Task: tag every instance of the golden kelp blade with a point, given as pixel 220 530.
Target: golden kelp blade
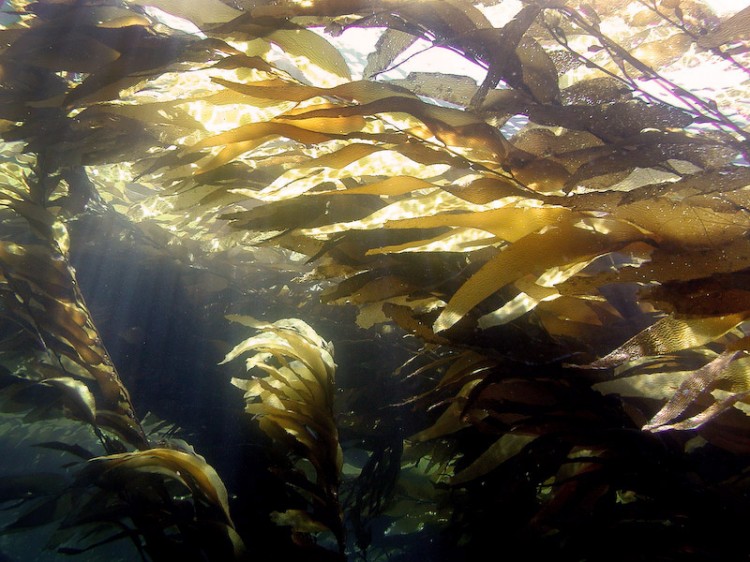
pixel 293 401
pixel 700 382
pixel 192 471
pixel 558 246
pixel 671 334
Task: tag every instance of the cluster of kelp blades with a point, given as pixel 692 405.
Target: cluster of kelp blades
pixel 520 263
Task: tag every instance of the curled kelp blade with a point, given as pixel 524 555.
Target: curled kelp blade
pixel 190 470
pixel 160 479
pixel 290 391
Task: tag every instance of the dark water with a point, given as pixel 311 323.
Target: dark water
pixel 166 338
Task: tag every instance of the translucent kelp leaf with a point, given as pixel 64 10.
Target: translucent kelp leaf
pixel 467 366
pixel 595 91
pixel 55 311
pixel 330 125
pixel 498 49
pixel 451 126
pixel 670 334
pixel 539 72
pixel 289 345
pixel 361 91
pixel 508 446
pixel 341 158
pixel 527 300
pixel 451 420
pixel 544 142
pixel 389 46
pixel 39 218
pixel 508 223
pixel 663 52
pixel 695 385
pixel 542 175
pixel 300 520
pixel 381 289
pixel 454 240
pixel 416 207
pixel 610 121
pixel 78 397
pixel 712 296
pixel 404 316
pixel 352 159
pixel 255 131
pixel 730 182
pixel 531 254
pixel 166 113
pixel 142 53
pixel 279 215
pixel 668 265
pixel 208 11
pixel 292 337
pixel 313 55
pixel 294 405
pixel 453 88
pixel 658 386
pixel 709 414
pixel 733 29
pixel 647 150
pixel 396 185
pixel 446 19
pixel 484 190
pixel 136 484
pixel 681 224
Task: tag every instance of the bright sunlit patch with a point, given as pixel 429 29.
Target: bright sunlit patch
pixel 302 68
pixel 188 15
pixel 174 22
pixel 531 293
pixel 726 8
pixel 456 240
pixel 434 202
pixel 212 105
pixel 384 162
pixel 515 308
pixel 556 275
pixel 152 208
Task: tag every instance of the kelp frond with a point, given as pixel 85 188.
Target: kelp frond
pixel 292 398
pixel 567 234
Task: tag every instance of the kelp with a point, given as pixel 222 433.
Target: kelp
pixel 567 236
pixel 293 403
pixel 40 294
pixel 164 501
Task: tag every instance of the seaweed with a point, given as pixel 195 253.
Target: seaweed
pixel 536 282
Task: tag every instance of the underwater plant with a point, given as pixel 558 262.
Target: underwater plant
pixel 534 270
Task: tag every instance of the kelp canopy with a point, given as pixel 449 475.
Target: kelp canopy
pixel 536 282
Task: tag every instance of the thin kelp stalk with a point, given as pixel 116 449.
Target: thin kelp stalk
pixel 707 110
pixel 704 40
